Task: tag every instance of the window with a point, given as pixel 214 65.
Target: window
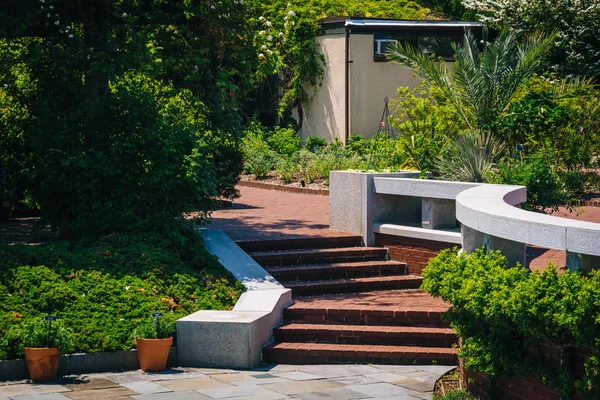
pixel 439 44
pixel 382 46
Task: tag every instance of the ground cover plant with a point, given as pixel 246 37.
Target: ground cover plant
pixel 505 316
pixel 102 291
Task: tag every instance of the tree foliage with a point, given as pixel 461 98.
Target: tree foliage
pixel 121 114
pixel 576 47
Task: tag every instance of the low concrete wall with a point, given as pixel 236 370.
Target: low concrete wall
pixel 354 205
pixel 233 339
pixel 82 363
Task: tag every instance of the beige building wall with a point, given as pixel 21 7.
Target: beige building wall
pixel 370 83
pixel 325 114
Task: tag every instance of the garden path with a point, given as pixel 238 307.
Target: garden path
pixel 261 214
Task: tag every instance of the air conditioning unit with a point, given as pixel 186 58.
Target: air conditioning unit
pixel 382 46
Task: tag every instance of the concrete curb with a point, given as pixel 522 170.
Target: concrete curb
pixel 233 339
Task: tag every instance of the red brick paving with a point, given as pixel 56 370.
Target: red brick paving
pixel 385 301
pixel 261 214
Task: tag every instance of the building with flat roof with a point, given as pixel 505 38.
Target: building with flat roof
pixel 358 77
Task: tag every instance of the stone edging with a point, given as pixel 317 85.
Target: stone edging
pixel 281 188
pixel 82 363
pixel 586 203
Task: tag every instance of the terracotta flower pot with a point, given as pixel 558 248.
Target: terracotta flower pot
pixel 42 363
pixel 153 353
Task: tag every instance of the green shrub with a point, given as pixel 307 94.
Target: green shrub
pixel 314 143
pixel 155 328
pixel 458 394
pixel 307 166
pixel 286 168
pixel 545 190
pixel 356 144
pixel 547 118
pixel 104 290
pixel 381 153
pixel 37 332
pixel 284 141
pixel 259 159
pixel 499 312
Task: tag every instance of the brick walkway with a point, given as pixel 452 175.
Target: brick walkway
pixel 261 214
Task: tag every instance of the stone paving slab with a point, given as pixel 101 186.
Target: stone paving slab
pixel 301 382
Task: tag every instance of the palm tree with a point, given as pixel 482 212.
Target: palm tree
pixel 483 80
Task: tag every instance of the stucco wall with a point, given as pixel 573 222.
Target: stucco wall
pixel 325 115
pixel 370 83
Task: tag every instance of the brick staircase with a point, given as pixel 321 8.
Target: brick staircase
pixel 351 304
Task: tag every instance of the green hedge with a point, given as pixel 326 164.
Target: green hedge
pixel 103 291
pixel 504 316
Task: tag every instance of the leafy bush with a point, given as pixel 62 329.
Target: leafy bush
pixel 284 141
pixel 381 152
pixel 259 159
pixel 40 333
pixel 356 144
pixel 132 159
pixel 425 125
pixel 499 312
pixel 104 290
pixel 551 115
pixel 314 143
pixel 155 328
pixel 545 189
pixel 307 167
pixel 458 394
pixel 286 168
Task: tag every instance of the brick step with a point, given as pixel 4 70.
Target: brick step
pixel 337 270
pixel 392 307
pixel 318 256
pixel 319 353
pixel 355 284
pixel 301 243
pixel 361 334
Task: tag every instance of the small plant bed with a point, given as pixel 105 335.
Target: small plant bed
pixel 449 387
pixel 102 291
pixel 273 179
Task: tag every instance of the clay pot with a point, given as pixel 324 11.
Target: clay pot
pixel 153 353
pixel 42 363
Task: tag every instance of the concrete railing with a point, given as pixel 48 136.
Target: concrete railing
pixel 469 214
pixel 488 217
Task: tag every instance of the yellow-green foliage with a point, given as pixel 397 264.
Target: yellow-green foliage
pixel 499 311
